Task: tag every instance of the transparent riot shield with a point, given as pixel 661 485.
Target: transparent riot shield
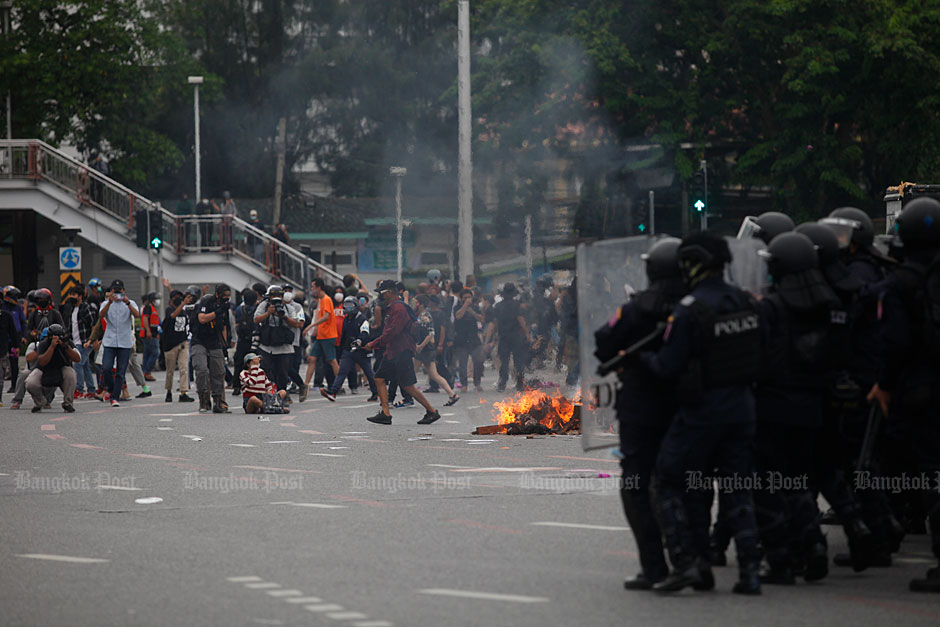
pixel 608 272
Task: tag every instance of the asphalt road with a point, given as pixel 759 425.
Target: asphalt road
pixel 321 518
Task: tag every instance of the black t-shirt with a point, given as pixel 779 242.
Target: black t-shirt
pixel 175 330
pixel 441 319
pixel 206 334
pixel 465 329
pixel 507 314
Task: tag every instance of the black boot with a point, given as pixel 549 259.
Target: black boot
pixel 749 579
pixel 705 575
pixel 817 563
pixel 861 545
pixel 205 402
pixel 639 582
pixel 680 578
pixel 930 583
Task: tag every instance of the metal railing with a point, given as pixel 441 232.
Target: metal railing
pixel 184 234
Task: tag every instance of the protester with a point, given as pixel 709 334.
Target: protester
pixel 43 315
pixel 80 318
pixel 424 333
pixel 467 343
pixel 149 333
pixel 54 369
pixel 255 384
pixel 228 211
pixel 355 333
pixel 295 312
pixel 175 343
pixel 9 337
pixel 12 305
pixel 117 313
pixel 244 331
pixel 514 338
pixel 324 346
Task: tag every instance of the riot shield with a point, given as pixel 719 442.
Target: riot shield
pixel 608 272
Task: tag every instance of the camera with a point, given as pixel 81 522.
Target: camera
pixel 280 308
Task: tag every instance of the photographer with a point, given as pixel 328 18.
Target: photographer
pixel 117 313
pixel 175 340
pixel 277 336
pixel 208 328
pixel 54 369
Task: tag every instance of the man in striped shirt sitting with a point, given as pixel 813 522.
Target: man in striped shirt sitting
pixel 254 384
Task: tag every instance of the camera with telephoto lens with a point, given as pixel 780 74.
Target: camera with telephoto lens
pixel 280 309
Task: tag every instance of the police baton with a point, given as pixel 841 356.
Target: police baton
pixel 622 358
pixel 871 434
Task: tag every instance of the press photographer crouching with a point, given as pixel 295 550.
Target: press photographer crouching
pixel 276 336
pixel 54 370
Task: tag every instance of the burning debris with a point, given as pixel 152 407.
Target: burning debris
pixel 534 412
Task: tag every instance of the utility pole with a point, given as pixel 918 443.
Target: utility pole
pixel 465 172
pixel 398 173
pixel 281 148
pixel 652 212
pixel 196 81
pixel 5 7
pixel 704 167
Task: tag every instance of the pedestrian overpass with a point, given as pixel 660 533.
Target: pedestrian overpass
pixel 196 249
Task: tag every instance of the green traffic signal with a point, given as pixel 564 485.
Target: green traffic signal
pixel 699 205
pixel 156 243
pixel 641 228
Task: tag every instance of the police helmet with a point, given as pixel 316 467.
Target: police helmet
pixel 662 260
pixel 825 240
pixel 790 253
pixel 918 226
pixel 773 223
pixel 852 226
pixel 702 251
pixel 350 304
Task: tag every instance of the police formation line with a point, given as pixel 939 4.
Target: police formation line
pixel 831 375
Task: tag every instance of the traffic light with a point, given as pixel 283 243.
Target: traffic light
pixel 140 222
pixel 699 201
pixel 156 230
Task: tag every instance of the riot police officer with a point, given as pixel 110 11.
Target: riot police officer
pixel 712 344
pixel 798 350
pixel 766 226
pixel 645 404
pixel 908 387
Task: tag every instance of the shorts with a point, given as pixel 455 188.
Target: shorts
pixel 427 357
pixel 245 400
pixel 324 348
pixel 400 369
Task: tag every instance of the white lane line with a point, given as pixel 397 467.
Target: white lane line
pixel 316 505
pixel 304 600
pixel 355 406
pixel 245 445
pixel 149 500
pixel 62 558
pixel 580 526
pixel 355 433
pixel 189 414
pixel 284 593
pixel 473 407
pixel 165 420
pixel 245 579
pixel 327 607
pixel 346 615
pixel 453 422
pixel 498 469
pixel 267 621
pixel 117 487
pixel 488 596
pixel 913 560
pixel 164 428
pixel 4 474
pixel 326 454
pixel 446 466
pixel 373 623
pixel 446 415
pixel 262 586
pixel 283 442
pixel 338 448
pixel 327 442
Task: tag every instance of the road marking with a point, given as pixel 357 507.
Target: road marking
pixel 188 414
pixel 278 469
pixel 47 427
pixel 304 600
pixel 324 608
pixel 355 406
pixel 118 487
pixel 327 442
pixel 54 436
pixel 283 442
pixel 326 454
pixel 288 424
pixel 338 448
pixel 262 586
pixel 165 420
pixel 285 593
pixel 267 621
pixel 500 469
pixel 310 432
pixel 166 459
pixel 585 459
pixel 4 474
pixel 316 505
pixel 455 440
pixel 913 560
pixel 355 433
pixel 149 500
pixel 453 422
pixel 89 446
pixel 488 596
pixel 245 445
pixel 580 526
pixel 446 415
pixel 165 429
pixel 243 579
pixel 346 615
pixel 373 623
pixel 446 466
pixel 62 558
pixel 481 442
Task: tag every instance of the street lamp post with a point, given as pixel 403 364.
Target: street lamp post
pixel 5 28
pixel 398 172
pixel 196 81
pixel 465 170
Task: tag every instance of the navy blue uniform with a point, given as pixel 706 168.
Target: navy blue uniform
pixel 713 431
pixel 645 407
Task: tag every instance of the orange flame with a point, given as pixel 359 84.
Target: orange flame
pixel 552 412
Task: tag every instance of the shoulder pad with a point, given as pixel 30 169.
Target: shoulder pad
pixel 687 301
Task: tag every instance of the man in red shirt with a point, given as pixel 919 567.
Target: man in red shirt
pixel 397 361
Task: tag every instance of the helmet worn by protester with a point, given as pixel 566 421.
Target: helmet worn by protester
pixel 350 304
pixel 701 255
pixel 12 295
pixel 57 329
pixel 195 291
pixel 434 275
pixel 830 264
pixel 95 283
pixel 43 297
pixel 918 226
pixel 274 292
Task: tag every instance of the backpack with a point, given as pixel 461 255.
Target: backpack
pixel 271 404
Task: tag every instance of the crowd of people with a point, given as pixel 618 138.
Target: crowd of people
pixel 827 383
pixel 272 343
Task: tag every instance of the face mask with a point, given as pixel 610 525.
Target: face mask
pixel 288 297
pixel 177 302
pixel 338 297
pixel 158 302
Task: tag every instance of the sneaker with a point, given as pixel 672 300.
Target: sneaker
pixel 218 408
pixel 114 403
pixel 68 408
pixel 15 405
pixel 145 394
pixel 430 417
pixel 293 388
pixel 452 400
pixel 90 396
pixel 479 388
pixel 380 419
pixel 149 377
pixel 372 398
pixel 341 392
pixel 169 397
pixel 303 395
pixel 185 398
pixel 325 393
pixel 354 391
pixel 76 395
pixel 403 404
pixel 47 405
pixel 36 409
